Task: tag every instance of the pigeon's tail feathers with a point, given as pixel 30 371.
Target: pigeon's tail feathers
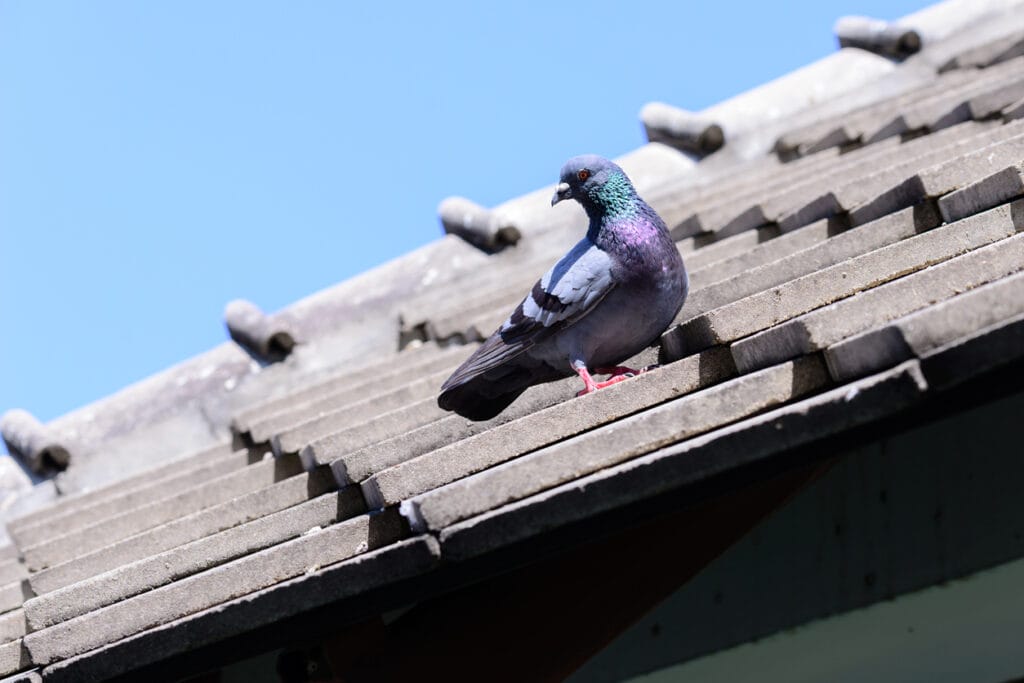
pixel 494 376
pixel 467 401
pixel 494 358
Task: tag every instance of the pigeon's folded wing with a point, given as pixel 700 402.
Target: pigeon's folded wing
pixel 565 294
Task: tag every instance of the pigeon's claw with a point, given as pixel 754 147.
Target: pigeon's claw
pixel 618 374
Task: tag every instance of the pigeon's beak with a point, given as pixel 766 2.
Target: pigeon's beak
pixel 563 191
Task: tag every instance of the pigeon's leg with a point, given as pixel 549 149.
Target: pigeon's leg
pixel 590 386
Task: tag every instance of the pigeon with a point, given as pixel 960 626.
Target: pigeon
pixel 606 300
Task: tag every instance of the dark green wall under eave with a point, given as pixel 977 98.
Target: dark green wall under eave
pixel 907 512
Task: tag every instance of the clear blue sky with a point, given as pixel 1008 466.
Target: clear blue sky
pixel 160 159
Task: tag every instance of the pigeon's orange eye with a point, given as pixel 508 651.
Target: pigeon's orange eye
pixel 583 175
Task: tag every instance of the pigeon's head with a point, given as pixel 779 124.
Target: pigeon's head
pixel 590 180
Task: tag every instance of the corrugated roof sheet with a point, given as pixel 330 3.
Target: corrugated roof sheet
pixel 854 251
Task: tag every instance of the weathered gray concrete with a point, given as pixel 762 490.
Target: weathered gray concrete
pixel 352 467
pixel 838 135
pixel 539 429
pixel 996 99
pixel 480 324
pixel 682 129
pixel 426 316
pixel 928 173
pixel 885 130
pixel 12 570
pixel 706 252
pixel 485 229
pixel 175 505
pixel 69 521
pixel 981 351
pixel 268 338
pixel 876 169
pixel 13 657
pixel 38 447
pixel 692 461
pixel 198 556
pixel 608 446
pixel 862 124
pixel 885 38
pixel 186 529
pixel 779 304
pixel 947 104
pixel 528 261
pixel 990 191
pixel 31 676
pixel 358 402
pixel 961 170
pixel 821 207
pixel 844 126
pixel 320 384
pixel 829 325
pixel 809 197
pixel 386 426
pixel 13 594
pixel 222 583
pixel 985 52
pixel 927 329
pixel 387 386
pixel 80 500
pixel 717 212
pixel 1014 111
pixel 12 625
pixel 742 179
pixel 940 111
pixel 842 247
pixel 362 573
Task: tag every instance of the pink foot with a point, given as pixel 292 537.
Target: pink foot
pixel 589 385
pixel 618 374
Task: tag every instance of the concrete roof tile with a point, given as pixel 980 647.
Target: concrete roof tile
pixel 13 657
pixel 779 304
pixel 206 589
pixel 688 463
pixel 878 36
pixel 436 507
pixel 981 351
pixel 322 586
pixel 919 333
pixel 12 625
pixel 358 402
pixel 164 568
pixel 185 529
pixel 353 466
pixel 543 427
pixel 828 325
pixel 267 338
pixel 115 503
pixel 990 191
pixel 830 249
pixel 37 445
pixel 176 504
pixel 484 229
pixel 683 129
